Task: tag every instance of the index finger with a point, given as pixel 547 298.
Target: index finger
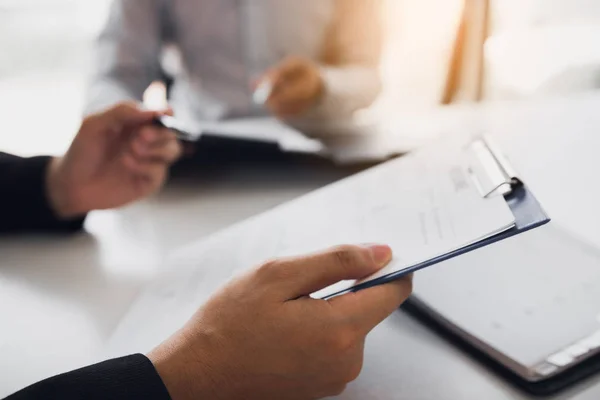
pixel 284 73
pixel 369 307
pixel 130 114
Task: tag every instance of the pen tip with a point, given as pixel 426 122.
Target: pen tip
pixel 263 92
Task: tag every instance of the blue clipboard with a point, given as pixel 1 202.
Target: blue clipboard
pixel 528 212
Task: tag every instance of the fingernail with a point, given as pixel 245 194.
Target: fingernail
pixel 382 254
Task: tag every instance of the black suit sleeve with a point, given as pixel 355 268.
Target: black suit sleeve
pixel 23 203
pixel 132 377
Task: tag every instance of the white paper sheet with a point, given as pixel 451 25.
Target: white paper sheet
pixel 423 205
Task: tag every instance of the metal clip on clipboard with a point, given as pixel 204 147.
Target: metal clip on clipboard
pixel 489 169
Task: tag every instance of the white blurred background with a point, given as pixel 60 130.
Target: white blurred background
pixel 542 47
pixel 536 47
pixel 44 58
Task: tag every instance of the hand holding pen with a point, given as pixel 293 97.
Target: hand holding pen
pixel 288 90
pixel 291 88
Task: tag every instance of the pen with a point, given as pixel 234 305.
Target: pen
pixel 182 132
pixel 263 92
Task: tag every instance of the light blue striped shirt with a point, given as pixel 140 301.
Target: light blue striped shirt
pixel 223 45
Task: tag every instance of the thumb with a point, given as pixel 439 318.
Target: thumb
pixel 168 111
pixel 301 276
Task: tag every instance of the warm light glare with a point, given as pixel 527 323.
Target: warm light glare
pixel 420 38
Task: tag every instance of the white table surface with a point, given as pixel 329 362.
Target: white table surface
pixel 61 299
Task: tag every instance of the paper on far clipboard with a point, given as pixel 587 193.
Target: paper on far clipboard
pixel 344 142
pixel 262 129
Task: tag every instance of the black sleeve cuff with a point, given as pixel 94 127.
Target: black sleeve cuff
pixel 132 377
pixel 24 202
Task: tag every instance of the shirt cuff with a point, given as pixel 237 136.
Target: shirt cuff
pixel 33 193
pixel 347 90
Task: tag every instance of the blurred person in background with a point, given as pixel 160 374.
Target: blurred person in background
pixel 321 56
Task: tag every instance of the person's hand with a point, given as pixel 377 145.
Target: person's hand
pixel 263 337
pixel 117 157
pixel 297 86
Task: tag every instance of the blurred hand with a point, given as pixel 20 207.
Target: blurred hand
pixel 117 157
pixel 297 87
pixel 263 338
